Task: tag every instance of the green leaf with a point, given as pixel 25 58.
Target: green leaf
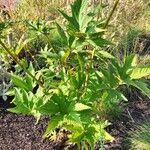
pixel 106 54
pixel 62 34
pixel 50 107
pixel 73 82
pixel 108 137
pixel 130 61
pixel 84 6
pixel 26 103
pixel 81 61
pixel 78 9
pixel 19 82
pixel 53 124
pixel 65 55
pixel 141 86
pixel 138 73
pixel 21 45
pixel 75 9
pixel 68 18
pixel 80 107
pixel 72 22
pixel 71 40
pixel 73 117
pixel 84 21
pixel 21 104
pixel 100 42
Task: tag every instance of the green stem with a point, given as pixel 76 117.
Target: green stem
pixel 15 58
pixel 111 13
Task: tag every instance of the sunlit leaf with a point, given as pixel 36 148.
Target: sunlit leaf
pixel 141 72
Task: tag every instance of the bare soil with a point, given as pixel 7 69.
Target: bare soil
pixel 19 132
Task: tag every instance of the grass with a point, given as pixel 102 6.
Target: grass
pixel 140 139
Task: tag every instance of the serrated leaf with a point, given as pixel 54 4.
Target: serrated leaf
pixel 106 54
pixel 19 82
pixel 138 73
pixel 21 45
pixel 65 56
pixel 62 34
pixel 75 9
pixel 100 42
pixel 84 22
pixel 21 105
pixel 72 22
pixel 141 86
pixel 53 124
pixel 80 107
pixel 49 107
pixel 130 61
pixel 108 137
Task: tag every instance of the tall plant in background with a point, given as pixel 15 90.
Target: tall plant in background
pixel 80 82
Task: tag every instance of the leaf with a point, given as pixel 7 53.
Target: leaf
pixel 73 81
pixel 80 107
pixel 138 73
pixel 98 34
pixel 141 86
pixel 62 34
pixel 31 69
pixel 19 82
pixel 101 132
pixel 130 61
pixel 26 103
pixel 72 22
pixel 21 45
pixel 83 22
pixel 73 117
pixel 71 40
pixel 75 9
pixel 78 9
pixel 65 55
pixel 50 107
pixel 62 102
pixel 100 42
pixel 108 137
pixel 28 79
pixel 68 18
pixel 21 105
pixel 54 123
pixel 106 54
pixel 112 96
pixel 81 61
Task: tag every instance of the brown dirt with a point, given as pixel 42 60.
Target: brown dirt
pixel 19 132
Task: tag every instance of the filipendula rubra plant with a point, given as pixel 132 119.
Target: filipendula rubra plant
pixel 78 80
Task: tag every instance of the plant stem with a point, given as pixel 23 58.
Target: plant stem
pixel 16 59
pixel 111 13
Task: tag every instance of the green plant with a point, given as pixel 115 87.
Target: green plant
pixel 140 138
pixel 81 82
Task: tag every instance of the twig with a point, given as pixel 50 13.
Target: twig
pixel 111 13
pixel 130 115
pixel 15 58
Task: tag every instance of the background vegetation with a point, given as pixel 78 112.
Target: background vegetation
pixel 62 63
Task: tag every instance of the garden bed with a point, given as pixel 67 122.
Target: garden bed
pixel 19 132
pixel 73 79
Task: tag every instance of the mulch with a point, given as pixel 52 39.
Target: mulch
pixel 19 132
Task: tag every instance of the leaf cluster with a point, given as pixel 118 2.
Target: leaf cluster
pixel 80 81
